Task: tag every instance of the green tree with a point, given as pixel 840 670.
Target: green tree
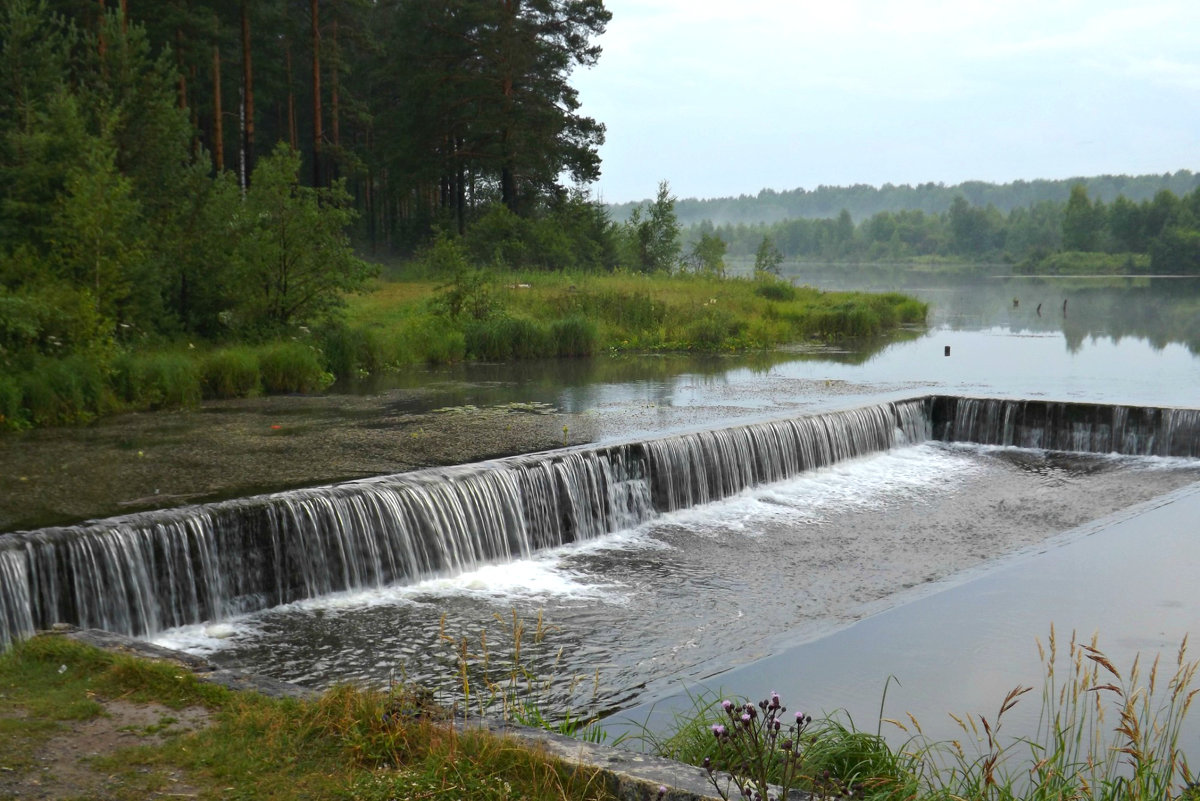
pixel 767 258
pixel 294 263
pixel 1082 223
pixel 708 255
pixel 653 240
pixel 95 242
pixel 477 94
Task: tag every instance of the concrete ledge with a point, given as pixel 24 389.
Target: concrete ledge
pixel 202 668
pixel 627 775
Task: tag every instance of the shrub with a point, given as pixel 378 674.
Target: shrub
pixel 503 338
pixel 12 415
pixel 231 373
pixel 775 290
pixel 292 367
pixel 574 336
pixel 157 380
pixel 715 329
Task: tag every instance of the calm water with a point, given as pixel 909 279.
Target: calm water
pixel 760 592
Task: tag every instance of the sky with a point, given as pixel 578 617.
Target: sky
pixel 727 97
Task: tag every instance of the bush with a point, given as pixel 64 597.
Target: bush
pixel 231 373
pixel 12 415
pixel 503 338
pixel 157 380
pixel 775 290
pixel 63 391
pixel 574 336
pixel 715 329
pixel 353 352
pixel 292 367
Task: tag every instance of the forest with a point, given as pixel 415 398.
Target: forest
pixel 1083 234
pixel 863 201
pixel 196 194
pixel 223 171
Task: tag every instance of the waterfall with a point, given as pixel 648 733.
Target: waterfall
pixel 146 572
pixel 1062 426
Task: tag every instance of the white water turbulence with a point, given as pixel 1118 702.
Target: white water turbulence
pixel 591 590
pixel 693 593
pixel 148 572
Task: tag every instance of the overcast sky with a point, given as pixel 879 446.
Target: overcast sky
pixel 725 97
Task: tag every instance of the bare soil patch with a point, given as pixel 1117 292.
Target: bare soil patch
pixel 63 767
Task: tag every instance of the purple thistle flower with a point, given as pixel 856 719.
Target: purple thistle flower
pixel 774 700
pixel 718 730
pixel 746 719
pixel 727 705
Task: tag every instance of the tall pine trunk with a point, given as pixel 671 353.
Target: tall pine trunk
pixel 318 134
pixel 247 96
pixel 293 139
pixel 218 123
pixel 334 101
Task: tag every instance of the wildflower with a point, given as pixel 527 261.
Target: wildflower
pixel 774 700
pixel 746 719
pixel 727 705
pixel 718 730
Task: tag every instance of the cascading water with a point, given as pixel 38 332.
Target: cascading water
pixel 1079 427
pixel 147 572
pixel 144 573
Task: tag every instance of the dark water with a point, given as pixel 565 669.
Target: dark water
pixel 751 591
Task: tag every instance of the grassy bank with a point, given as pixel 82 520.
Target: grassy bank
pixel 348 744
pixel 473 315
pixel 1103 733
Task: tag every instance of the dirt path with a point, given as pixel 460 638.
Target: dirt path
pixel 63 767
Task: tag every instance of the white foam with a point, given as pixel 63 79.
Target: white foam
pixel 869 482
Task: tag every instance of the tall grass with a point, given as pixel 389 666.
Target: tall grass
pixel 168 379
pixel 231 373
pixel 513 672
pixel 290 367
pixel 1101 736
pixel 542 315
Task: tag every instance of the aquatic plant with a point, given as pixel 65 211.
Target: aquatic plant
pixel 524 684
pixel 1101 736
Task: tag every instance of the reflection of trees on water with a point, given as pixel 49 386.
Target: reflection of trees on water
pixel 579 384
pixel 1160 311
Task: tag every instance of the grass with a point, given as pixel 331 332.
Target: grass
pixel 348 744
pixel 1102 736
pixel 478 316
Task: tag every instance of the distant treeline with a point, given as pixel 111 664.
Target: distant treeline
pixel 863 201
pixel 1080 234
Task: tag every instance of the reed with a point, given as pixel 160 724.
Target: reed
pixel 157 379
pixel 288 367
pixel 515 673
pixel 231 373
pixel 1101 736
